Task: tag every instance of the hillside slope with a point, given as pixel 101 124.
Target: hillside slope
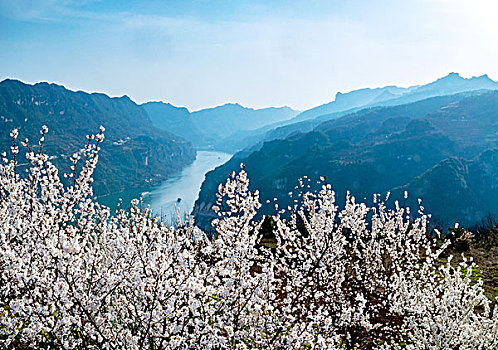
pixel 456 189
pixel 134 154
pixel 208 128
pixel 371 151
pixel 347 103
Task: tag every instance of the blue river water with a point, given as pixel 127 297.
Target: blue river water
pixel 181 190
pixel 177 193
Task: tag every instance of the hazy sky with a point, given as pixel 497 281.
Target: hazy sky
pixel 258 53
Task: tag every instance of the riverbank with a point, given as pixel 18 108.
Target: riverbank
pixel 178 193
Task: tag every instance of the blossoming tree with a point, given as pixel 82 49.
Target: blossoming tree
pixel 73 275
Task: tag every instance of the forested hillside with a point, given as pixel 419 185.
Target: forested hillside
pixel 384 149
pixel 135 154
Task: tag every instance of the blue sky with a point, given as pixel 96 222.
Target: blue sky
pixel 258 53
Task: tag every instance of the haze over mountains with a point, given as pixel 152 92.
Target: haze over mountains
pixel 437 141
pixel 393 95
pixel 134 154
pixel 392 147
pixel 345 103
pixel 208 128
pixel 231 127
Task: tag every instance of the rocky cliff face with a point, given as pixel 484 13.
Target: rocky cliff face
pixel 380 149
pixel 134 154
pixel 457 190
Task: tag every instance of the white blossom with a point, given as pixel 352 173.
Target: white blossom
pixel 74 275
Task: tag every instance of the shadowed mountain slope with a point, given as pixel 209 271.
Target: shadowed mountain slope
pixel 359 99
pixel 208 128
pixel 134 154
pixel 372 151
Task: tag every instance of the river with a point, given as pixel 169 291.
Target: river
pixel 180 189
pixel 183 188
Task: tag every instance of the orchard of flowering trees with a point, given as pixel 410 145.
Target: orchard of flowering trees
pixel 73 275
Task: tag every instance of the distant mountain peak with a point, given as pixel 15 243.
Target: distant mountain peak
pixel 125 97
pixel 484 77
pixel 457 76
pixel 236 105
pixel 167 104
pixel 454 83
pixel 166 108
pixel 451 77
pixel 227 105
pixel 42 83
pixel 17 82
pixel 454 74
pixel 12 81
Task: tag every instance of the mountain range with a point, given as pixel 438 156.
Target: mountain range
pixel 345 103
pixel 436 141
pixel 208 128
pixel 134 154
pixel 385 149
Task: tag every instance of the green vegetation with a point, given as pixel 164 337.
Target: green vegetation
pixel 439 149
pixel 134 155
pixel 482 246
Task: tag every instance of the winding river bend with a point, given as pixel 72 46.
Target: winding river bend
pixel 183 188
pixel 179 191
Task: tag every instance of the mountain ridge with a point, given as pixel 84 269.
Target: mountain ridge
pixel 134 154
pixel 369 151
pixel 208 127
pixel 390 95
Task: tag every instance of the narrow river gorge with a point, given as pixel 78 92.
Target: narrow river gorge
pixel 179 192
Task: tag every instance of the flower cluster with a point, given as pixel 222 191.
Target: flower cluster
pixel 73 275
